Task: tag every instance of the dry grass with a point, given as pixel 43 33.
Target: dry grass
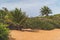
pixel 36 35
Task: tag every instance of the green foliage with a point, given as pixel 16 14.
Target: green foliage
pixel 17 16
pixel 45 25
pixel 2 15
pixel 45 11
pixel 4 32
pixel 40 23
pixel 55 20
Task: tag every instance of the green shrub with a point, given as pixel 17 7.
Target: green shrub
pixel 37 23
pixel 45 23
pixel 46 26
pixel 4 32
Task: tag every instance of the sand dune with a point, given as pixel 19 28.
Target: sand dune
pixel 38 35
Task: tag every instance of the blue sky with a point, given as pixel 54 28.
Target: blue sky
pixel 31 7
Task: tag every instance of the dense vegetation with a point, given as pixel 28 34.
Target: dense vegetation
pixel 17 19
pixel 4 32
pixel 45 23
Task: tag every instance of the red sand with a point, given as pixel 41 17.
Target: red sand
pixel 40 35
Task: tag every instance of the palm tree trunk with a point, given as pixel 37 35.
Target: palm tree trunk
pixel 47 15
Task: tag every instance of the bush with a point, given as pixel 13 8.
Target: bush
pixel 36 23
pixel 47 26
pixel 45 23
pixel 4 32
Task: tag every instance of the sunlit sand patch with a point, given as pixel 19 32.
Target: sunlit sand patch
pixel 40 35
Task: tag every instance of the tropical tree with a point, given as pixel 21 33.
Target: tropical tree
pixel 17 17
pixel 45 11
pixel 3 13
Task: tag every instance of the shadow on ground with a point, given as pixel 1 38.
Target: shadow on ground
pixel 30 30
pixel 34 30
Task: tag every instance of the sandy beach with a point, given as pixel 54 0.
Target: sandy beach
pixel 39 35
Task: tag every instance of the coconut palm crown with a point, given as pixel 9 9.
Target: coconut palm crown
pixel 45 11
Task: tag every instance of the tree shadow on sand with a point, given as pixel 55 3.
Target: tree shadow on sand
pixel 30 30
pixel 33 30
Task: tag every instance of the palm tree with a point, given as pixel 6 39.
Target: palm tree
pixel 17 17
pixel 45 11
pixel 3 13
